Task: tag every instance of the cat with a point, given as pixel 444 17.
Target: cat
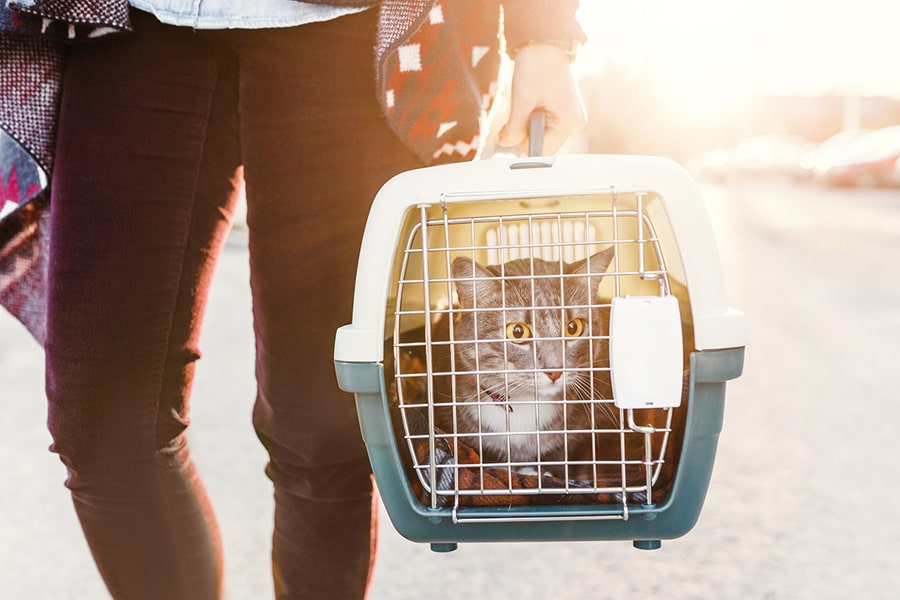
pixel 530 355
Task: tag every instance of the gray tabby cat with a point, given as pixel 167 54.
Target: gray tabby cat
pixel 538 338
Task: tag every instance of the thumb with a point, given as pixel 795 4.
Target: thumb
pixel 553 138
pixel 515 132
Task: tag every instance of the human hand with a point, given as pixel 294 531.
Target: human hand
pixel 542 79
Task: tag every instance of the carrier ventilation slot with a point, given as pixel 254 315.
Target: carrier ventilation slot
pixel 543 239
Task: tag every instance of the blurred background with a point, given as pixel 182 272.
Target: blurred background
pixel 787 113
pixel 769 87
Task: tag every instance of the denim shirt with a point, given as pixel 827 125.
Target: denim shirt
pixel 240 14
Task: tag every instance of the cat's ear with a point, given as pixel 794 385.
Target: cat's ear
pixel 472 281
pixel 595 267
pixel 597 263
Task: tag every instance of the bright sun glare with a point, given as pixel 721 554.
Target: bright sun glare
pixel 706 52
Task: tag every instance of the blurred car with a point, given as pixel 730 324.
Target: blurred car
pixel 868 160
pixel 819 157
pixel 768 155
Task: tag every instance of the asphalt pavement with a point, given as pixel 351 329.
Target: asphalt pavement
pixel 803 501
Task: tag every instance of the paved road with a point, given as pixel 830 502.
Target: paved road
pixel 803 503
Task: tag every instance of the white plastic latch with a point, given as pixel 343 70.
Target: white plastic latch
pixel 645 351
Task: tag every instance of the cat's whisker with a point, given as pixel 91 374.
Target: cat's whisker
pixel 606 410
pixel 593 397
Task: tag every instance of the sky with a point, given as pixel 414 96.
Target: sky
pixel 710 50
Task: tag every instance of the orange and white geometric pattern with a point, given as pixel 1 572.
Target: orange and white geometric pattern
pixel 442 80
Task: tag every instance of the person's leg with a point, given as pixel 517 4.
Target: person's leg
pixel 316 150
pixel 143 191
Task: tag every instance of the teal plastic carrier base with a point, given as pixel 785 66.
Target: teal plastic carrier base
pixel 603 419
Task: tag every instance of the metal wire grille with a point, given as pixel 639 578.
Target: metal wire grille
pixel 501 362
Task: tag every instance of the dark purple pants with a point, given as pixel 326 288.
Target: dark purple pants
pixel 155 127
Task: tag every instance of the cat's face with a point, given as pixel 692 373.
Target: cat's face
pixel 527 330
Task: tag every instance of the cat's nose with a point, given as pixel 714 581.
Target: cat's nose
pixel 553 375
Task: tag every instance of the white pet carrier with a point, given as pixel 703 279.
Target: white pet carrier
pixel 499 404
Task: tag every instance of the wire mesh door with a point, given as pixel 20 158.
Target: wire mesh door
pixel 503 383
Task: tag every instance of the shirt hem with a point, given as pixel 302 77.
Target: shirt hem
pixel 303 17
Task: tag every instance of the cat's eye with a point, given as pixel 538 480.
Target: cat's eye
pixel 518 332
pixel 575 327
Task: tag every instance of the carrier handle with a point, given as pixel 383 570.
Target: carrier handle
pixel 535 159
pixel 536 124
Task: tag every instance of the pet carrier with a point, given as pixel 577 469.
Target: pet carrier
pixel 539 349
